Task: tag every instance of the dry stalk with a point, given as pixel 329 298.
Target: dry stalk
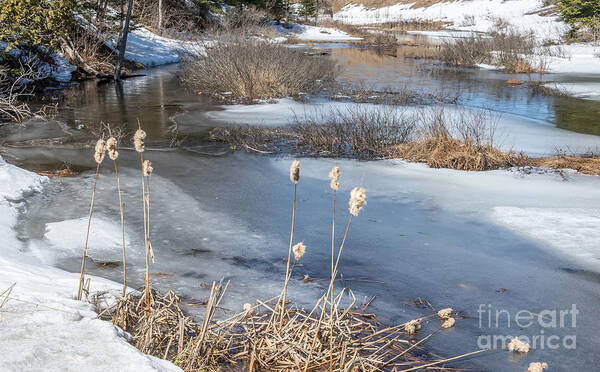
pixel 87 234
pixel 294 177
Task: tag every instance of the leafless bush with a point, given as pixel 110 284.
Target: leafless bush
pixel 251 70
pixel 243 21
pixel 13 90
pixel 517 52
pixel 465 52
pixel 357 131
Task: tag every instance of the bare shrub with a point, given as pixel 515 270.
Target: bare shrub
pixel 252 70
pixel 517 52
pixel 357 131
pixel 243 21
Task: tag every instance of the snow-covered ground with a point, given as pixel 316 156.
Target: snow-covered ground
pixel 467 15
pixel 580 59
pixel 314 33
pixel 43 328
pixel 151 50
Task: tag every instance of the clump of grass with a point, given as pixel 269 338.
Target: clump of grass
pixel 465 144
pixel 250 70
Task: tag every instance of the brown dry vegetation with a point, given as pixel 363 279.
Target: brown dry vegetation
pixel 582 164
pixel 463 143
pixel 252 339
pixel 256 70
pixel 514 51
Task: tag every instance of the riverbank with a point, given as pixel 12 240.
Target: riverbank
pixel 43 327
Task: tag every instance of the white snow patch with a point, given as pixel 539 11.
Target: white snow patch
pixel 149 49
pixel 572 231
pixel 471 15
pixel 314 33
pixel 59 70
pixel 67 237
pixel 580 59
pixel 43 328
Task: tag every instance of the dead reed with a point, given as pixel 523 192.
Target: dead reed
pixel 99 152
pixel 113 154
pixel 295 178
pixel 146 170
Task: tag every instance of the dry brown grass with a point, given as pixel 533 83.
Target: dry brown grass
pixel 462 143
pixel 582 164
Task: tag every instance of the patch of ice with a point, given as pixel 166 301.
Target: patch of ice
pixel 572 231
pixel 67 238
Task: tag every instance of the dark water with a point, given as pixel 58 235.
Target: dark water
pixel 424 233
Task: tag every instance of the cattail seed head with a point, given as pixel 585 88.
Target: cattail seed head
pixel 519 346
pixel 299 250
pixel 445 313
pixel 248 309
pixel 295 171
pixel 412 327
pixel 138 140
pixel 111 146
pixel 537 367
pixel 358 198
pixel 99 151
pixel 334 176
pixel 147 168
pixel 448 323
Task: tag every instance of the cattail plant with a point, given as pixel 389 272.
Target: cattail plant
pixel 334 184
pixel 358 199
pixel 139 144
pixel 113 154
pixel 294 177
pixel 99 151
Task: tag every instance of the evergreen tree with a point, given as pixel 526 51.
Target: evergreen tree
pixel 579 13
pixel 36 22
pixel 308 9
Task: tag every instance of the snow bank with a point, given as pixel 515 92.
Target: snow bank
pixel 59 70
pixel 471 15
pixel 43 328
pixel 151 50
pixel 581 59
pixel 314 33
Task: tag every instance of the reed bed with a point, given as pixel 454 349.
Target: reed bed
pixel 353 340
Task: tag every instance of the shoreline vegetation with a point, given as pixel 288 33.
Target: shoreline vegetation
pixel 337 334
pixel 430 136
